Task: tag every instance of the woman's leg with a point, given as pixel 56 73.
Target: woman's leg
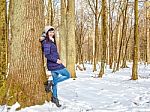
pixel 54 86
pixel 56 78
pixel 64 75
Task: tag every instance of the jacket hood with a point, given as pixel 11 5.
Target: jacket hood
pixel 47 28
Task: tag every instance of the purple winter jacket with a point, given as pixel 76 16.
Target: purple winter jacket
pixel 51 53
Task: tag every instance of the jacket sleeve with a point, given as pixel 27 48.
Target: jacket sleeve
pixel 42 38
pixel 47 53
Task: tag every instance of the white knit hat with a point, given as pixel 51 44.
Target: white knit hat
pixel 47 28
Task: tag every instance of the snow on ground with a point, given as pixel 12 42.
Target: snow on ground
pixel 115 92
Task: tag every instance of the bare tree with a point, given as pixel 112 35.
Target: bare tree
pixel 104 37
pixel 136 43
pixel 97 14
pixel 71 53
pixel 124 11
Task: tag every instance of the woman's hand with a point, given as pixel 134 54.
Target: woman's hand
pixel 59 61
pixel 41 38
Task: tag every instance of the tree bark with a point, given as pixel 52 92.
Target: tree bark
pixel 63 33
pixel 110 33
pixel 50 18
pixel 117 32
pixel 147 7
pixel 3 49
pixel 26 73
pixel 71 49
pixel 126 40
pixel 136 43
pixel 96 38
pixel 3 42
pixel 124 11
pixel 104 37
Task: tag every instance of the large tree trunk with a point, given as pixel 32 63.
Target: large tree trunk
pixel 104 37
pixel 63 32
pixel 26 72
pixel 3 42
pixel 71 49
pixel 136 43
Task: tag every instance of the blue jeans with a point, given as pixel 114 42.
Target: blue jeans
pixel 57 78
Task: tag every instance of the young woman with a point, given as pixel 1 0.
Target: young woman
pixel 54 64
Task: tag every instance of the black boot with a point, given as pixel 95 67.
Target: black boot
pixel 48 85
pixel 56 101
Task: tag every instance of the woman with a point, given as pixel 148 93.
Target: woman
pixel 54 64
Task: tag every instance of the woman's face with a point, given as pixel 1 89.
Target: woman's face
pixel 51 33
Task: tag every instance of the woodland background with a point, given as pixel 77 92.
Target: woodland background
pixel 99 32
